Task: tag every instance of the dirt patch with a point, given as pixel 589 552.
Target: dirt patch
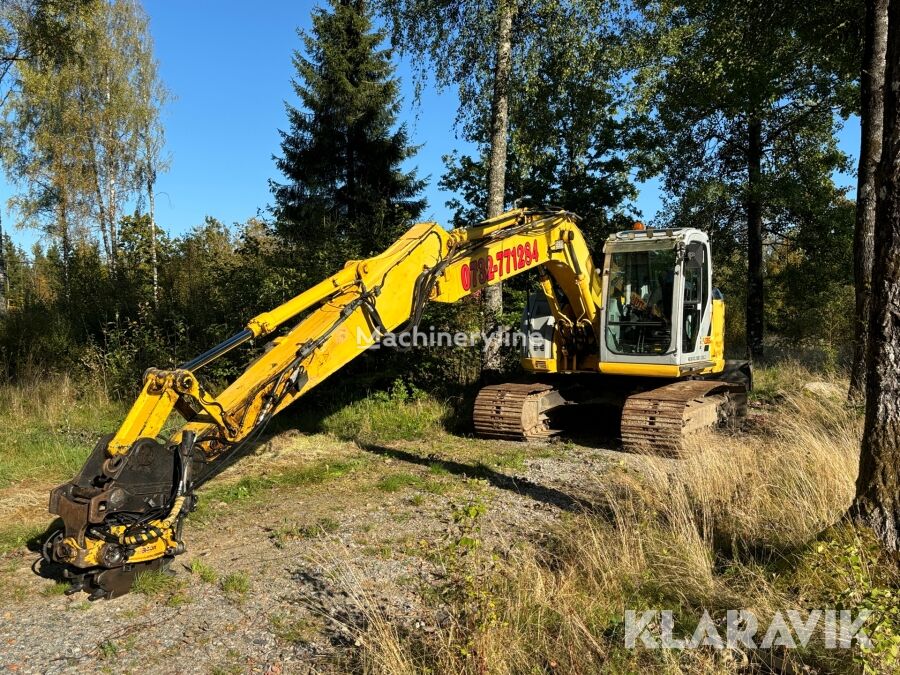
pixel 311 557
pixel 24 501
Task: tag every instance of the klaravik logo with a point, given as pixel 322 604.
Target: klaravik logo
pixel 655 629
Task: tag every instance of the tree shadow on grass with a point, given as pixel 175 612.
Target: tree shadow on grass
pixel 521 486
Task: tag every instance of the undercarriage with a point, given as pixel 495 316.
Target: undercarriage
pixel 657 419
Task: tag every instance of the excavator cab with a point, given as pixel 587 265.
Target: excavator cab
pixel 659 314
pixel 659 333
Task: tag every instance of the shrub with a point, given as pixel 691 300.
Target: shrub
pixel 402 413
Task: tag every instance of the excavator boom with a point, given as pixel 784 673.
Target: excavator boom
pixel 124 512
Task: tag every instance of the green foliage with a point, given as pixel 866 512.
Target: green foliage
pixel 852 575
pixel 444 369
pixel 403 413
pixel 36 28
pixel 119 362
pixel 347 195
pixel 235 584
pixel 574 140
pixel 470 574
pixel 106 325
pixel 206 573
pixel 75 129
pixel 810 302
pixel 710 68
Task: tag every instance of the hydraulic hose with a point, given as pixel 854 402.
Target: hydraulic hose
pixel 153 532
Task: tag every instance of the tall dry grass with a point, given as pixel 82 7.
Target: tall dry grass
pixel 49 424
pixel 732 526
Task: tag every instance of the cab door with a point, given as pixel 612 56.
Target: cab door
pixel 696 304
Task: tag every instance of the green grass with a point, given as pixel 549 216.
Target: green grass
pixel 206 573
pixel 383 418
pixel 253 487
pixel 509 459
pixel 397 481
pixel 235 584
pixel 178 598
pixel 291 631
pixel 49 427
pixel 438 469
pixel 324 525
pixel 772 382
pixel 17 536
pixel 57 588
pixel 154 583
pixel 107 649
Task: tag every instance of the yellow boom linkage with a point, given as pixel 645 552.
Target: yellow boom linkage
pixel 123 513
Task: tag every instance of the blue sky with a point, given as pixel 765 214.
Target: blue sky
pixel 228 65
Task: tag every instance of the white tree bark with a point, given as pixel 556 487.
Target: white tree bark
pixel 493 295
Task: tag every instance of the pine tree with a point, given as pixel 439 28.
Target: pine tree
pixel 347 195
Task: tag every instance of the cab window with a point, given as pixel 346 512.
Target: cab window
pixel 639 302
pixel 696 291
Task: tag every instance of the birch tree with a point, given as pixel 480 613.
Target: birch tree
pixel 78 131
pixel 484 48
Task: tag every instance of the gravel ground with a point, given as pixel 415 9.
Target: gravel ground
pixel 317 559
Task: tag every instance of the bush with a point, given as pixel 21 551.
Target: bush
pixel 402 413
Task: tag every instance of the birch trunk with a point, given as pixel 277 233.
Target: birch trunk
pixel 493 295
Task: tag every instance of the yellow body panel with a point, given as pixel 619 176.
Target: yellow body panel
pixel 557 247
pixel 89 554
pixel 539 365
pixel 640 369
pixel 717 339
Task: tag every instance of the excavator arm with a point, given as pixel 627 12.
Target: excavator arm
pixel 124 512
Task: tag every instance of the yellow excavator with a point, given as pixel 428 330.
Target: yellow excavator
pixel 646 329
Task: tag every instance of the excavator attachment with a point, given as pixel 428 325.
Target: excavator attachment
pixel 122 515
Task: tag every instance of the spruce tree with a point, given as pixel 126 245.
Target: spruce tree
pixel 347 195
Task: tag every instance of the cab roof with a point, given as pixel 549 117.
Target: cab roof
pixel 650 239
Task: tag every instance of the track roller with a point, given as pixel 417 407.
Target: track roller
pixel 658 420
pixel 517 412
